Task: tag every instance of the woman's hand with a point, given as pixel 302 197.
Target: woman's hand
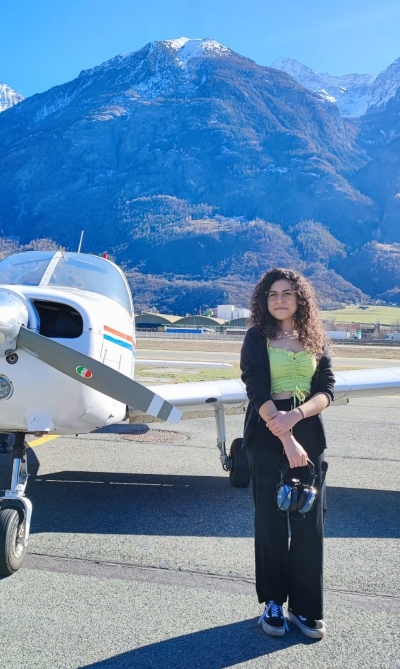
pixel 295 452
pixel 283 421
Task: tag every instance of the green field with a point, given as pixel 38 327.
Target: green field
pixel 372 314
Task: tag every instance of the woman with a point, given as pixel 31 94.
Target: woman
pixel 289 380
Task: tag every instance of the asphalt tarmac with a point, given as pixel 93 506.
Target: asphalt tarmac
pixel 141 553
pixel 232 357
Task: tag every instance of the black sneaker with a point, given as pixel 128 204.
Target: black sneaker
pixel 272 620
pixel 314 629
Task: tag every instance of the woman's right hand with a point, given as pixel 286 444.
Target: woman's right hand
pixel 295 452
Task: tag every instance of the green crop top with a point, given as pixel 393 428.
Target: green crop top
pixel 291 372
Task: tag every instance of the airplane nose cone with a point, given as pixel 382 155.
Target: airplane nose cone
pixel 13 314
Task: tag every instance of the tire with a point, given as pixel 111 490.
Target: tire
pixel 239 474
pixel 12 552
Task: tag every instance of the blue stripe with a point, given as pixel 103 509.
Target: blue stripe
pixel 120 342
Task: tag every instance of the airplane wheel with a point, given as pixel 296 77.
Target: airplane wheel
pixel 12 550
pixel 239 475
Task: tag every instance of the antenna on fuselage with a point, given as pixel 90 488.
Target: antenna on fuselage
pixel 80 242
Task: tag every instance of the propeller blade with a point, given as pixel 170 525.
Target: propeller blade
pixel 96 375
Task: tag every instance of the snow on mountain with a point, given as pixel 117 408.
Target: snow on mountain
pixel 181 49
pixel 193 48
pixel 157 67
pixel 8 97
pixel 350 92
pixel 385 86
pixel 157 70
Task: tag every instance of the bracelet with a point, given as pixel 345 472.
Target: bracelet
pixel 301 411
pixel 328 397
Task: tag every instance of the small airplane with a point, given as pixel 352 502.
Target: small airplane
pixel 67 362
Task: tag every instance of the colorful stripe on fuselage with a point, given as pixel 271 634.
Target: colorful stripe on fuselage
pixel 119 338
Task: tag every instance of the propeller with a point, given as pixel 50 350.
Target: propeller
pixel 14 316
pixel 96 375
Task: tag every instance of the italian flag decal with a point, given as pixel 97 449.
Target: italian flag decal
pixel 85 372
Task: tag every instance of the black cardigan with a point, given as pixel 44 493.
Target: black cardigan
pixel 256 375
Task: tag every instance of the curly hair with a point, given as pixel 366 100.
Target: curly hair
pixel 307 320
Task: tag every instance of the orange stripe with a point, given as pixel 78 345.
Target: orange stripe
pixel 119 334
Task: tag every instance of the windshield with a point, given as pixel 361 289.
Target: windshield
pixel 67 270
pixel 25 268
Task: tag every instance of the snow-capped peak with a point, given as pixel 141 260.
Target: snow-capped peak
pixel 351 92
pixel 8 97
pixel 187 48
pixel 178 43
pixel 182 48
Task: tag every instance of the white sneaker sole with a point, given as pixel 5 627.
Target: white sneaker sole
pixel 273 631
pixel 316 633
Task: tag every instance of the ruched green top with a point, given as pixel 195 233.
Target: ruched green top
pixel 291 372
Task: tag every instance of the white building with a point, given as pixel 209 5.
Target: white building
pixel 228 312
pixel 240 313
pixel 225 311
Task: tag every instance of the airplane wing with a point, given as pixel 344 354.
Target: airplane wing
pixel 200 399
pixel 367 383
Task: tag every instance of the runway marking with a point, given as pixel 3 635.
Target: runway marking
pixel 157 485
pixel 42 440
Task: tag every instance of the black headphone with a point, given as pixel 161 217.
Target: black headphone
pixel 296 495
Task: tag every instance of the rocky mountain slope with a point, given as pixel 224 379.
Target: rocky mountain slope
pixel 379 137
pixel 385 87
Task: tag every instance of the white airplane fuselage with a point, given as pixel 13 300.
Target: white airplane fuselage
pixel 38 401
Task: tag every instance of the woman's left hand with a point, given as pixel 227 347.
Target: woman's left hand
pixel 283 422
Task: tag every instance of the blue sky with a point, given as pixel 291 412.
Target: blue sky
pixel 48 42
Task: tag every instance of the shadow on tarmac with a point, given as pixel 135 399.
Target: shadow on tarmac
pixel 362 512
pixel 174 505
pixel 213 648
pixel 149 504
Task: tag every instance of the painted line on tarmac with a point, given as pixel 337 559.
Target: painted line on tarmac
pixel 42 440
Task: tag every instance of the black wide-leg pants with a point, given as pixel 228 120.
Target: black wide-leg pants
pixel 288 548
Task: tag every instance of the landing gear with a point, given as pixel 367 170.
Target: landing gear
pixel 15 513
pixel 236 462
pixel 12 547
pixel 239 474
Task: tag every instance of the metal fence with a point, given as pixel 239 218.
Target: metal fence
pixel 151 334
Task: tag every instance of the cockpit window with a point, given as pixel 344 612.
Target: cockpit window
pixel 91 273
pixel 66 270
pixel 25 269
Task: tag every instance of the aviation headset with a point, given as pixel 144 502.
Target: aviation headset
pixel 296 495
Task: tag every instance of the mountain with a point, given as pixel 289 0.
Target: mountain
pixel 352 93
pixel 383 262
pixel 385 87
pixel 184 118
pixel 379 137
pixel 8 97
pixel 380 178
pixel 194 167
